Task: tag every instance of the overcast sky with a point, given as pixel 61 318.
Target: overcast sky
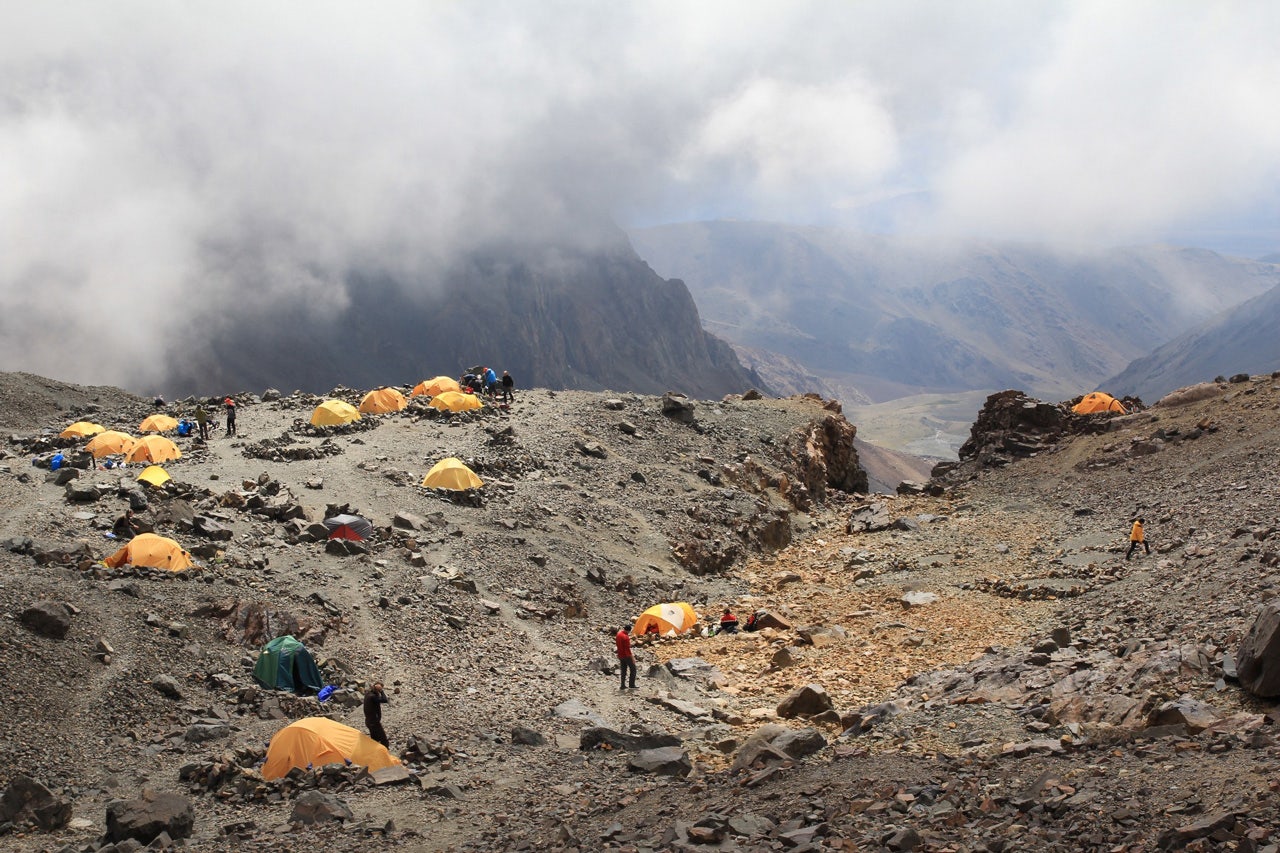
pixel 211 155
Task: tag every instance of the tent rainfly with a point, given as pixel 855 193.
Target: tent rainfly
pixel 148 549
pixel 451 474
pixel 453 401
pixel 382 401
pixel 1097 401
pixel 435 386
pixel 285 664
pixel 348 526
pixel 334 413
pixel 317 741
pixel 670 619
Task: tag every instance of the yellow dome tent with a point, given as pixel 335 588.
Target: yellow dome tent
pixel 153 448
pixel 670 619
pixel 81 429
pixel 383 400
pixel 148 549
pixel 451 474
pixel 154 475
pixel 158 423
pixel 1097 401
pixel 110 443
pixel 317 741
pixel 333 413
pixel 454 401
pixel 434 386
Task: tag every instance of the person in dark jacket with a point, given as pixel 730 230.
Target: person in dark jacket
pixel 622 640
pixel 374 698
pixel 231 415
pixel 508 386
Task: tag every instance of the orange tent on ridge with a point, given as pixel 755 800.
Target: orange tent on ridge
pixel 434 386
pixel 1097 401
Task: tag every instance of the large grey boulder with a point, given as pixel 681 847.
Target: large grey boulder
pixel 48 618
pixel 145 818
pixel 317 807
pixel 664 761
pixel 1258 660
pixel 805 702
pixel 27 801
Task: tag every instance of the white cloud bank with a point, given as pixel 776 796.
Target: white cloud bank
pixel 164 166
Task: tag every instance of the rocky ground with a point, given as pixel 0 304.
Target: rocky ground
pixel 967 666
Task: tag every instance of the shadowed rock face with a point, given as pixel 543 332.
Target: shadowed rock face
pixel 553 318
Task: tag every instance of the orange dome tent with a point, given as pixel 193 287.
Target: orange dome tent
pixel 383 400
pixel 148 549
pixel 153 448
pixel 1097 401
pixel 317 741
pixel 453 401
pixel 451 474
pixel 670 619
pixel 333 413
pixel 81 429
pixel 434 386
pixel 110 443
pixel 158 423
pixel 154 475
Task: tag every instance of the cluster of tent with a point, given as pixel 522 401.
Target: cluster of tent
pixel 109 442
pixel 445 393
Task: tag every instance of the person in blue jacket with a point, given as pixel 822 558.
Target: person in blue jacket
pixel 490 382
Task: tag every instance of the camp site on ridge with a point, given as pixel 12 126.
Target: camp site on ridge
pixel 972 646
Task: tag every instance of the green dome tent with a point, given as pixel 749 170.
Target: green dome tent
pixel 285 664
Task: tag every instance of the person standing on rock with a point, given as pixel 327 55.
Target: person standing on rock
pixel 626 659
pixel 202 420
pixel 374 698
pixel 508 386
pixel 1137 537
pixel 231 415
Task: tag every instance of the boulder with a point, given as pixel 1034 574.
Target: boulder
pixel 678 407
pixel 526 736
pixel 27 801
pixel 48 618
pixel 759 748
pixel 917 598
pixel 167 685
pixel 79 492
pixel 145 818
pixel 596 736
pixel 694 669
pixel 664 761
pixel 1187 711
pixel 1258 659
pixel 869 518
pixel 798 743
pixel 805 702
pixel 317 807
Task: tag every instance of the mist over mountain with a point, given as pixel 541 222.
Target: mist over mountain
pixel 895 316
pixel 1241 340
pixel 590 318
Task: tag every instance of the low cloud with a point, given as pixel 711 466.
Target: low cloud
pixel 166 167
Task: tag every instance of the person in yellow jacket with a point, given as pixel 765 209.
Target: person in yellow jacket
pixel 1137 537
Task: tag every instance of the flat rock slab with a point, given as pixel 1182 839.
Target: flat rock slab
pixel 393 775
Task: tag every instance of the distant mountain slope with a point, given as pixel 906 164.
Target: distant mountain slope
pixel 555 318
pixel 1245 339
pixel 913 316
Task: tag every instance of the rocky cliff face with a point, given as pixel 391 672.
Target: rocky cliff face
pixel 553 318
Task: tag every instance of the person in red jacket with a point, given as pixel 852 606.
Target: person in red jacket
pixel 623 641
pixel 728 622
